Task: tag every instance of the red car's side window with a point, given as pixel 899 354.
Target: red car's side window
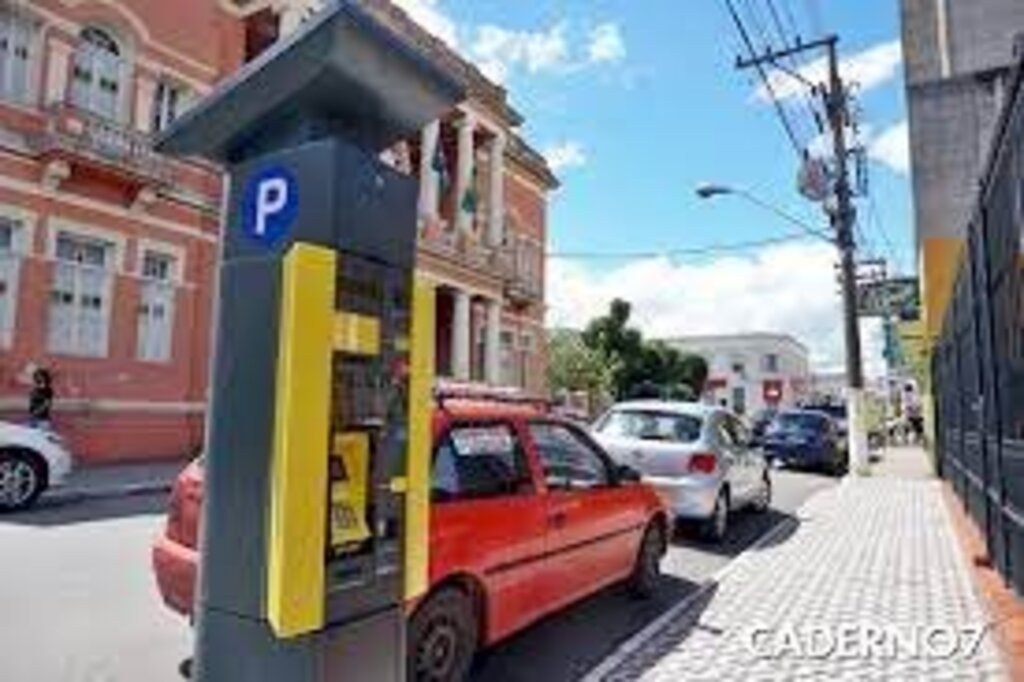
pixel 478 461
pixel 569 460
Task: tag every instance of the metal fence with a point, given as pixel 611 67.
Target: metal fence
pixel 978 362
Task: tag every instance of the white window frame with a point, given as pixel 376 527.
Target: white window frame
pixel 161 116
pixel 22 247
pixel 117 242
pixel 14 14
pixel 85 51
pixel 174 281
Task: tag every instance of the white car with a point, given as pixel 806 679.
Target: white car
pixel 31 460
pixel 699 458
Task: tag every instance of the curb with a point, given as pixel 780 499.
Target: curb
pixel 65 496
pixel 636 641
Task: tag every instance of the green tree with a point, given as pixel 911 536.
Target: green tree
pixel 620 345
pixel 573 366
pixel 642 369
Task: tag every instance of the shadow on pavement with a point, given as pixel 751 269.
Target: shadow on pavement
pixel 63 512
pixel 669 637
pixel 567 645
pixel 746 528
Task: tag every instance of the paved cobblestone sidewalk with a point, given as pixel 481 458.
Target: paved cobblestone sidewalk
pixel 874 555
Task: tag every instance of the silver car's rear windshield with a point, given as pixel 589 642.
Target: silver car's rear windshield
pixel 651 425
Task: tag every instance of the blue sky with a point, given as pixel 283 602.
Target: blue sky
pixel 638 102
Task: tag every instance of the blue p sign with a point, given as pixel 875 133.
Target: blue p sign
pixel 270 204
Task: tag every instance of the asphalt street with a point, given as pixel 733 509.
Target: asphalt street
pixel 80 604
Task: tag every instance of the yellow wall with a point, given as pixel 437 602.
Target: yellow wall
pixel 939 263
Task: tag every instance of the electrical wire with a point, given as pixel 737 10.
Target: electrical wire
pixel 798 102
pixel 769 88
pixel 670 253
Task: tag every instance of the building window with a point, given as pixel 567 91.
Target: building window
pixel 770 363
pixel 10 270
pixel 17 56
pixel 169 100
pixel 99 76
pixel 79 316
pixel 156 308
pixel 739 399
pixel 510 364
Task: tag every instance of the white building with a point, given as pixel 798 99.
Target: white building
pixel 749 372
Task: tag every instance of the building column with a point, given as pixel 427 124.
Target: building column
pixel 492 343
pixel 58 71
pixel 429 180
pixel 461 336
pixel 145 101
pixel 464 172
pixel 496 202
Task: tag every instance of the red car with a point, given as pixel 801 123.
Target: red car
pixel 528 515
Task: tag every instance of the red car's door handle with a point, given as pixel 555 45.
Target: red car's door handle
pixel 557 519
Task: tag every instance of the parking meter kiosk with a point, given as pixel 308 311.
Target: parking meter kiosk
pixel 317 447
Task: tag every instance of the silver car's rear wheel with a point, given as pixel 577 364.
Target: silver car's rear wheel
pixel 716 527
pixel 764 496
pixel 21 481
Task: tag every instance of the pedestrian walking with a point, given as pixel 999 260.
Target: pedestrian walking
pixel 40 399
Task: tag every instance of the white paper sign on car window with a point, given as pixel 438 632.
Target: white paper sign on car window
pixel 483 440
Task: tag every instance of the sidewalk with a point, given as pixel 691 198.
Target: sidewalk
pixel 868 583
pixel 116 480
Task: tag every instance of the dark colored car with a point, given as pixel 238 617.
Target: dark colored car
pixel 759 424
pixel 805 439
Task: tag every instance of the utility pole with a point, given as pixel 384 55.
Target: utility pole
pixel 842 215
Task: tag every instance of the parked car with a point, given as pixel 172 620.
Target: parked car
pixel 699 458
pixel 528 515
pixel 837 411
pixel 806 439
pixel 31 460
pixel 760 422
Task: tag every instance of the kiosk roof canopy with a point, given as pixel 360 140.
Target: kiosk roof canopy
pixel 340 73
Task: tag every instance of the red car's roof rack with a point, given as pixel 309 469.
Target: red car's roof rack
pixel 492 394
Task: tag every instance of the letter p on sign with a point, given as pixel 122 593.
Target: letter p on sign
pixel 270 204
pixel 271 198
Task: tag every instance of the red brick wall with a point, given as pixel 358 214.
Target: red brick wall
pixel 119 407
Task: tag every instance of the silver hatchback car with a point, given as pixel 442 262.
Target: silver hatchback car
pixel 698 457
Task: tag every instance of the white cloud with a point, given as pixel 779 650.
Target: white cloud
pixel 869 69
pixel 429 15
pixel 788 288
pixel 566 155
pixel 892 147
pixel 606 44
pixel 498 50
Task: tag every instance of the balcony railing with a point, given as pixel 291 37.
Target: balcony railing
pixel 463 249
pixel 75 131
pixel 517 262
pixel 522 271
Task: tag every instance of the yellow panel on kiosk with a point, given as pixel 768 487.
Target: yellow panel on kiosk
pixel 349 495
pixel 297 533
pixel 356 334
pixel 417 482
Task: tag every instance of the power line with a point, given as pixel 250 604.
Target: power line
pixel 670 253
pixel 779 109
pixel 799 104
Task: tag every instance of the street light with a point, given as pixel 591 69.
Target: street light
pixel 710 190
pixel 857 434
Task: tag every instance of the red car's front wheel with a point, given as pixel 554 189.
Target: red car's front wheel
pixel 442 638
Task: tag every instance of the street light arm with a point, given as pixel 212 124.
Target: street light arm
pixel 710 190
pixel 789 217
